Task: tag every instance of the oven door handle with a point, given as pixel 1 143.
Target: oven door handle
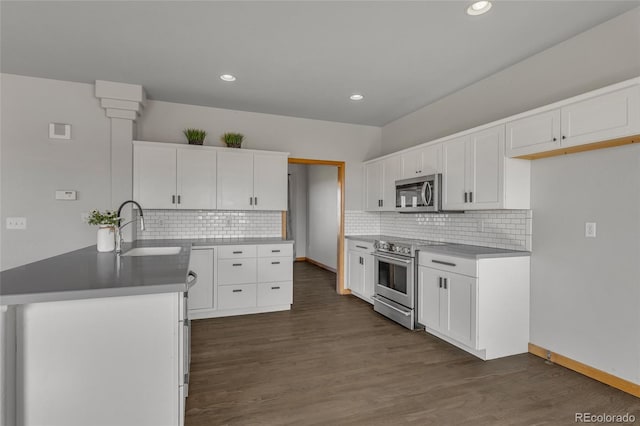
pixel 377 299
pixel 393 259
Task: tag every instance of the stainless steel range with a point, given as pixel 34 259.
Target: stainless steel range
pixel 395 266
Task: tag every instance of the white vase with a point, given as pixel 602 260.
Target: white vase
pixel 106 238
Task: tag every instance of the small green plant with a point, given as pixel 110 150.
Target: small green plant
pixel 233 140
pixel 107 217
pixel 195 136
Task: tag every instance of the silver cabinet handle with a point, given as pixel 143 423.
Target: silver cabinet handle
pixel 250 201
pixel 362 247
pixel 237 252
pixel 237 264
pixel 439 282
pixel 179 197
pixel 377 299
pixel 471 197
pixel 441 262
pixel 465 197
pixel 256 200
pixel 275 288
pixel 237 291
pixel 173 199
pixel 445 283
pixel 275 251
pixel 275 263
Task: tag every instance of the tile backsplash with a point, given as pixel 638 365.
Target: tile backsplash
pixel 173 224
pixel 509 229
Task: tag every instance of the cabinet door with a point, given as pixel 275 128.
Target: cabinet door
pixel 374 174
pixel 235 180
pixel 530 135
pixel 355 273
pixel 486 167
pixel 196 179
pixel 270 182
pixel 154 177
pixel 602 118
pixel 411 164
pixel 429 297
pixel 392 168
pixel 201 294
pixel 369 276
pixel 454 174
pixel 461 308
pixel 431 160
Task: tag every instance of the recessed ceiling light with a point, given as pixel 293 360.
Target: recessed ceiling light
pixel 227 77
pixel 479 7
pixel 356 97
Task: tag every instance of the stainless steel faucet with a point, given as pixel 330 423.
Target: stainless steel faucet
pixel 119 227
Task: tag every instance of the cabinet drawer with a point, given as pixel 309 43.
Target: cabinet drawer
pixel 458 265
pixel 271 294
pixel 237 296
pixel 275 250
pixel 236 252
pixel 236 271
pixel 363 246
pixel 272 269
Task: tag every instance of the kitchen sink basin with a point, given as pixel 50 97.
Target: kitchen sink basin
pixel 153 251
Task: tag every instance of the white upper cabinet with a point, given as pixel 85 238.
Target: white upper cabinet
pixel 374 181
pixel 154 176
pixel 477 176
pixel 252 181
pixel 380 183
pixel 422 162
pixel 538 133
pixel 602 117
pixel 235 180
pixel 392 171
pixel 177 176
pixel 166 177
pixel 196 179
pixel 270 182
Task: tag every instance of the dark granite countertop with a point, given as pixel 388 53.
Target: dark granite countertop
pixel 87 273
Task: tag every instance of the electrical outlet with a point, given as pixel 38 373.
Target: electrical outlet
pixel 590 229
pixel 16 223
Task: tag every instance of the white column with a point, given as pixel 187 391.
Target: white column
pixel 122 104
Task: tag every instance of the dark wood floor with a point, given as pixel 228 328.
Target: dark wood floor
pixel 332 360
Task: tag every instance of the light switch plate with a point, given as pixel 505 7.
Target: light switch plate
pixel 590 229
pixel 66 195
pixel 16 223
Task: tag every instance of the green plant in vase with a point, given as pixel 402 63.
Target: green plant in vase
pixel 233 140
pixel 195 136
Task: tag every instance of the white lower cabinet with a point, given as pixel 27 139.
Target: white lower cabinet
pixel 245 279
pixel 360 269
pixel 104 361
pixel 481 306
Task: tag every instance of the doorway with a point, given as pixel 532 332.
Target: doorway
pixel 288 225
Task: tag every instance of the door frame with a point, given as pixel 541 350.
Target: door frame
pixel 341 173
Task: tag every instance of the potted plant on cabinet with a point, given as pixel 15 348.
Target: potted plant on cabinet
pixel 195 136
pixel 233 140
pixel 107 222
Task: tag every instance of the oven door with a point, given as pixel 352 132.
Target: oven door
pixel 394 278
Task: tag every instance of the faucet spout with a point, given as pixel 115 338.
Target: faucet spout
pixel 120 226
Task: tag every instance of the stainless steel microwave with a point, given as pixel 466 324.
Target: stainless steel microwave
pixel 420 194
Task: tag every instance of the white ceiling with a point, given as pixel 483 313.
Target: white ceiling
pixel 299 59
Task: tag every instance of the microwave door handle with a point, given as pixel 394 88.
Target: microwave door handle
pixel 425 200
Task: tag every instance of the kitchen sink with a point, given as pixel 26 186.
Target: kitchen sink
pixel 153 251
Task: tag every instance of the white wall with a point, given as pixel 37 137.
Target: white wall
pixel 585 295
pixel 303 138
pixel 322 218
pixel 603 55
pixel 34 166
pixel 299 189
